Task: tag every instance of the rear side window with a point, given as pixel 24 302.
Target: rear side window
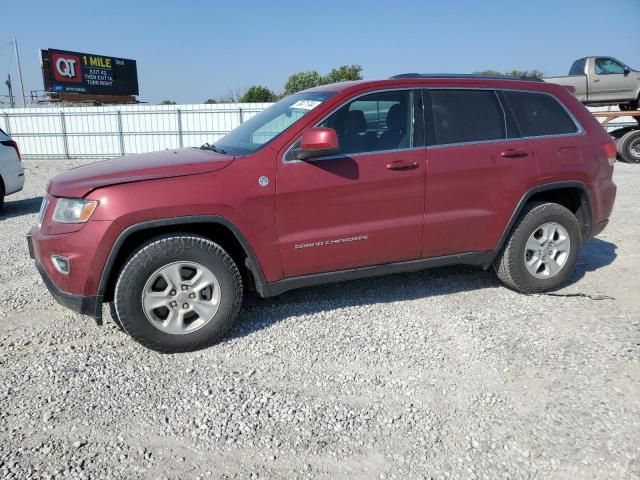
pixel 578 67
pixel 461 116
pixel 539 114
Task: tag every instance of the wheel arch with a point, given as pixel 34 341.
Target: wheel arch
pixel 216 228
pixel 572 195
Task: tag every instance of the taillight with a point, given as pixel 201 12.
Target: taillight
pixel 13 144
pixel 610 152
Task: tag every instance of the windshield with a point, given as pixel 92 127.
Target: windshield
pixel 268 124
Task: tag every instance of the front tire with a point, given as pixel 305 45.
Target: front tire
pixel 628 107
pixel 542 250
pixel 178 293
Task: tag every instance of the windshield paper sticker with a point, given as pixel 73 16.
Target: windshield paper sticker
pixel 305 104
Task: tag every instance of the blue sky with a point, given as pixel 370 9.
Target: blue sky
pixel 191 50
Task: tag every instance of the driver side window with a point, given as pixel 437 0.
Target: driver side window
pixel 375 122
pixel 608 66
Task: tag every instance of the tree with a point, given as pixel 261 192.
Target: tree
pixel 258 94
pixel 167 102
pixel 344 73
pixel 211 100
pixel 301 81
pixel 522 74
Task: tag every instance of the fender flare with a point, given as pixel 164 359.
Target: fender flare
pixel 251 263
pixel 586 203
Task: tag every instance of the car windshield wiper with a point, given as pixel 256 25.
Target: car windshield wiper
pixel 210 146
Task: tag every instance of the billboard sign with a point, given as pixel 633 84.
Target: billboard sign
pixel 74 72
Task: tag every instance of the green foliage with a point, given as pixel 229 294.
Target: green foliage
pixel 167 102
pixel 522 74
pixel 211 100
pixel 258 94
pixel 303 80
pixel 344 73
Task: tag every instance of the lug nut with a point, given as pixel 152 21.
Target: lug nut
pixel 184 287
pixel 185 305
pixel 172 292
pixel 174 304
pixel 192 295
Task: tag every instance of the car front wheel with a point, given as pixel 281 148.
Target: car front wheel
pixel 178 293
pixel 542 250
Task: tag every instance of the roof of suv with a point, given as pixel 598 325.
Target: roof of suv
pixel 450 80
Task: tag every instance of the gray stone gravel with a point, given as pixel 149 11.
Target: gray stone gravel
pixel 438 374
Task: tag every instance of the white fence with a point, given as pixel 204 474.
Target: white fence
pixel 85 132
pixel 101 132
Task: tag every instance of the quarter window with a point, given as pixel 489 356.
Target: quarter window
pixel 376 122
pixel 539 114
pixel 461 116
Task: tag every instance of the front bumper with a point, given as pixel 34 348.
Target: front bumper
pixel 85 305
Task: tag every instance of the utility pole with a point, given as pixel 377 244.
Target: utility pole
pixel 15 47
pixel 8 84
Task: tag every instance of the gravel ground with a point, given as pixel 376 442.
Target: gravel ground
pixel 437 374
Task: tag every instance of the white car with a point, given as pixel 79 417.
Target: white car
pixel 11 172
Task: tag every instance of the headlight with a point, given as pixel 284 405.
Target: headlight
pixel 73 210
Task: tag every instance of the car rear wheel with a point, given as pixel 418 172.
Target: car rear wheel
pixel 178 293
pixel 542 250
pixel 1 193
pixel 629 147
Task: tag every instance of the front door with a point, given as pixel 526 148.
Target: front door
pixel 610 82
pixel 363 206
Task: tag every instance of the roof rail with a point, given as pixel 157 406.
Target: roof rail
pixel 463 75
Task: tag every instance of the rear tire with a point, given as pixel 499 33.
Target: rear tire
pixel 629 147
pixel 542 249
pixel 1 194
pixel 178 293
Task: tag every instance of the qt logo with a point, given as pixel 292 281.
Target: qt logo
pixel 66 67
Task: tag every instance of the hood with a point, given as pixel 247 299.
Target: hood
pixel 79 181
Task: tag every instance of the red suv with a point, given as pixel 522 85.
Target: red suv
pixel 334 183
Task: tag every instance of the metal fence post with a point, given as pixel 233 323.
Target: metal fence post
pixel 65 142
pixel 240 116
pixel 7 127
pixel 120 134
pixel 180 142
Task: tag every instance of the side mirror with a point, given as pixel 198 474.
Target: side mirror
pixel 627 71
pixel 317 142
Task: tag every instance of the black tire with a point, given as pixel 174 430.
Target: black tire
pixel 510 263
pixel 628 107
pixel 629 147
pixel 163 251
pixel 1 194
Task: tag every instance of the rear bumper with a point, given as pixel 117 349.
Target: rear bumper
pixel 85 305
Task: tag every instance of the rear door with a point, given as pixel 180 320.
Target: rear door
pixel 478 170
pixel 551 130
pixel 363 206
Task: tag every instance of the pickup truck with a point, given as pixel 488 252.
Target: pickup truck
pixel 602 81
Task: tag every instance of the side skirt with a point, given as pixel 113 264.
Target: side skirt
pixel 483 259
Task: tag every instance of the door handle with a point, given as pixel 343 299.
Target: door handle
pixel 514 153
pixel 402 165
